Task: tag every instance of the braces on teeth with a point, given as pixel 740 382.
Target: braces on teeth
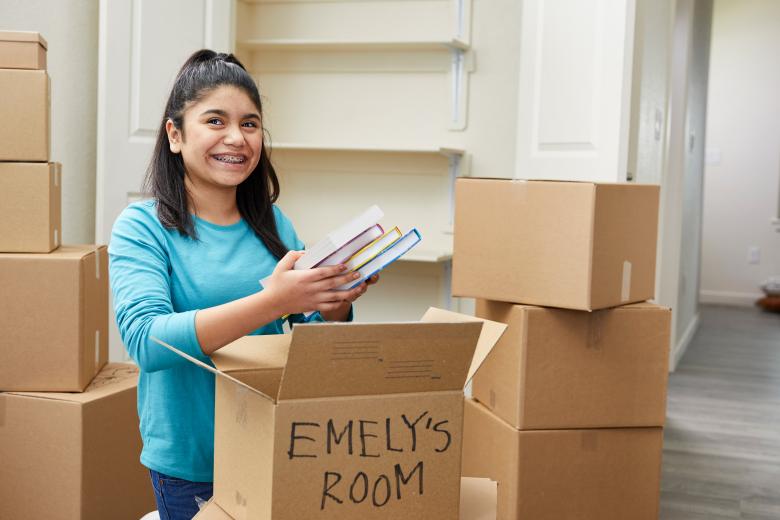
pixel 229 158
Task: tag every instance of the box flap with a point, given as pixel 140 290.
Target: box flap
pixel 211 369
pixel 69 252
pixel 23 36
pixel 114 378
pixel 253 353
pixel 212 511
pixel 491 333
pixel 478 498
pixel 349 359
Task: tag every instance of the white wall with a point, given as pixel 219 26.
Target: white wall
pixel 71 30
pixel 743 142
pixel 650 96
pixel 693 174
pixel 669 107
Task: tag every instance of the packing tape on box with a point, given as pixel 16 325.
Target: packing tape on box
pixel 97 263
pixel 2 410
pixel 625 292
pixel 595 329
pixel 56 237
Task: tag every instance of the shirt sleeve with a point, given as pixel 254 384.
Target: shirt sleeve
pixel 139 270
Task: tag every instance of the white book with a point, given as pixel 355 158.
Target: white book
pixel 385 258
pixel 373 249
pixel 354 246
pixel 336 239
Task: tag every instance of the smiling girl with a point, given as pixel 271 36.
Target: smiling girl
pixel 185 265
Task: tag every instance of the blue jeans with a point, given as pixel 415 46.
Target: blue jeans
pixel 177 499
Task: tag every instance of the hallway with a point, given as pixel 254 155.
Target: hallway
pixel 722 439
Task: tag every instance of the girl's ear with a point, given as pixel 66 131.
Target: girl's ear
pixel 174 136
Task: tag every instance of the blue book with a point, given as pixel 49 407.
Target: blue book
pixel 385 258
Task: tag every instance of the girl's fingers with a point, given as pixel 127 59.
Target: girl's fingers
pixel 357 292
pixel 288 261
pixel 321 273
pixel 327 307
pixel 338 281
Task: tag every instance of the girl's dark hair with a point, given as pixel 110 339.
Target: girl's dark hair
pixel 203 72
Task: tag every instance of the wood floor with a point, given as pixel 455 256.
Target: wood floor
pixel 722 438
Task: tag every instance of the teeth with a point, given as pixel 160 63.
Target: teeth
pixel 229 158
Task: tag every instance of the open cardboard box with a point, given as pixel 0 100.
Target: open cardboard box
pixel 361 420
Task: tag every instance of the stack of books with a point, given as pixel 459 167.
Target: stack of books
pixel 362 245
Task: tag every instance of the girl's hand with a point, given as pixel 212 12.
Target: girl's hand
pixel 342 311
pixel 311 289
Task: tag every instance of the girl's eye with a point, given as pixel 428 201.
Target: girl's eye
pixel 214 121
pixel 250 124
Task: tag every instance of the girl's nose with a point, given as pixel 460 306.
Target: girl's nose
pixel 234 136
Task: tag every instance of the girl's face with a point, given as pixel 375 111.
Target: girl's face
pixel 222 138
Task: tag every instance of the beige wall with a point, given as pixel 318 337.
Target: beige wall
pixel 71 29
pixel 743 140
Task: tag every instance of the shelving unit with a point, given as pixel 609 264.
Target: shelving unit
pixel 352 45
pixel 366 102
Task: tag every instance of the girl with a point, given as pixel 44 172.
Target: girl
pixel 185 267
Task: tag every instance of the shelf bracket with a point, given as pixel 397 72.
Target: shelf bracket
pixel 454 173
pixel 462 64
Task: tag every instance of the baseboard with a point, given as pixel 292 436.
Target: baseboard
pixel 729 298
pixel 679 349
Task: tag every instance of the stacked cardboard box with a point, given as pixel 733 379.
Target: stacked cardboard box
pixel 54 331
pixel 569 406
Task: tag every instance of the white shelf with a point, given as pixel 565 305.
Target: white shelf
pixel 423 255
pixel 352 45
pixel 441 150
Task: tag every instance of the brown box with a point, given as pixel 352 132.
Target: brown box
pixel 362 421
pixel 68 456
pixel 557 368
pixel 575 245
pixel 477 502
pixel 22 50
pixel 609 474
pixel 24 112
pixel 53 318
pixel 30 202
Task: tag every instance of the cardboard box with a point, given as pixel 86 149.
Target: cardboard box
pixel 557 368
pixel 69 456
pixel 361 420
pixel 30 202
pixel 53 318
pixel 22 50
pixel 477 502
pixel 575 245
pixel 609 474
pixel 24 111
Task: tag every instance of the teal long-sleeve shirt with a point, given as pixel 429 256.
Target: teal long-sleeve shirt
pixel 159 280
